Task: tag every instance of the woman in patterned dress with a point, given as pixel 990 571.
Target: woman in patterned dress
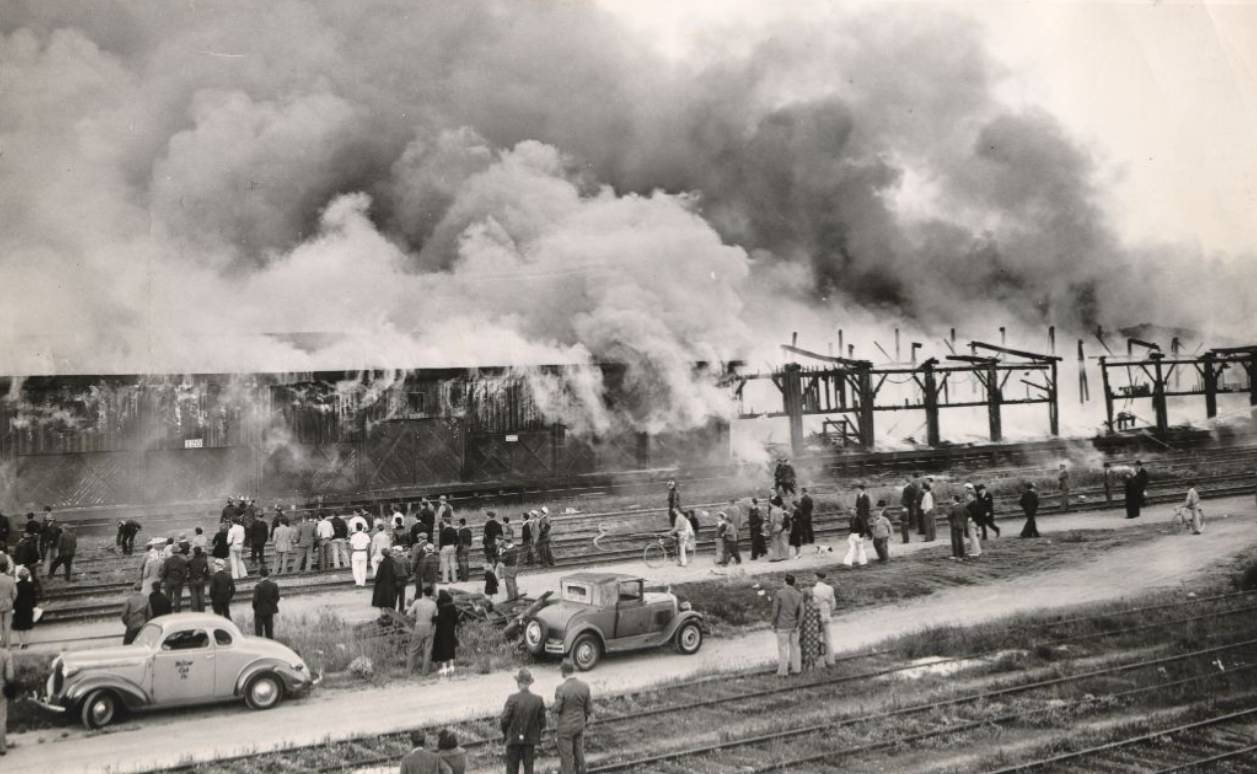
pixel 811 643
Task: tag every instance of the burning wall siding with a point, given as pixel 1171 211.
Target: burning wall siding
pixel 96 441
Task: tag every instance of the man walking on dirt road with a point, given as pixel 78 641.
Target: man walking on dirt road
pixel 572 705
pixel 786 616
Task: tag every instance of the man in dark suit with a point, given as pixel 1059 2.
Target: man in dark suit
pixel 806 507
pixel 158 603
pixel 222 589
pixel 265 605
pixel 523 719
pixel 572 704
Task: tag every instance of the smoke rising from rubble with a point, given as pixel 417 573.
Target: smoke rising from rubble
pixel 507 183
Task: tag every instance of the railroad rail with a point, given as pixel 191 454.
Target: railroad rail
pixel 829 682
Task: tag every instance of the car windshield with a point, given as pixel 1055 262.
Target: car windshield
pixel 149 636
pixel 576 592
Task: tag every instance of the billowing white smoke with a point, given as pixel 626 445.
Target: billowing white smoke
pixel 504 183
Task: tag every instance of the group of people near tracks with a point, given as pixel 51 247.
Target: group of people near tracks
pixel 523 720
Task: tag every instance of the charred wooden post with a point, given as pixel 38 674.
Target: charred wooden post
pixel 993 399
pixel 864 384
pixel 1108 396
pixel 930 388
pixel 1209 374
pixel 792 400
pixel 1159 405
pixel 1054 407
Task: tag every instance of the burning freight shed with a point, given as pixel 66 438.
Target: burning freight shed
pixel 80 441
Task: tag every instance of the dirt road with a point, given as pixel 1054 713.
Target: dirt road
pixel 167 739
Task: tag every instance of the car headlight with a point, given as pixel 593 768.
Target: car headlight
pixel 300 667
pixel 686 606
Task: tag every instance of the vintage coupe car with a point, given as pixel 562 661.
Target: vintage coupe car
pixel 176 660
pixel 601 613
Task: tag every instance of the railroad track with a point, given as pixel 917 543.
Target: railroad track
pixel 386 749
pixel 1212 744
pixel 573 551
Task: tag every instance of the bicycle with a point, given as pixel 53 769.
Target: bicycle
pixel 1182 520
pixel 658 553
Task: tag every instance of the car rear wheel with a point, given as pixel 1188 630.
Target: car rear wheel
pixel 689 638
pixel 586 652
pixel 100 708
pixel 263 692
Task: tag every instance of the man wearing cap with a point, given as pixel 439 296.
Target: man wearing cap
pixel 423 612
pixel 134 613
pixel 67 547
pixel 307 539
pixel 523 719
pixel 222 589
pixel 283 537
pixel 325 534
pixel 786 619
pixel 340 542
pixel 158 603
pixel 448 550
pixel 259 531
pixel 428 570
pixel 127 530
pixel 463 553
pixel 198 576
pixel 359 547
pixel 544 526
pixel 509 558
pixel 174 573
pixel 572 706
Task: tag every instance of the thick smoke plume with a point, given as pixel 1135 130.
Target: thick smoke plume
pixel 515 183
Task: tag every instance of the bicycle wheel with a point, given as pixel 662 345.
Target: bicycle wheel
pixel 654 555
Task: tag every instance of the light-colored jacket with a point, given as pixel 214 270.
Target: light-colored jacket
pixel 283 539
pixel 8 592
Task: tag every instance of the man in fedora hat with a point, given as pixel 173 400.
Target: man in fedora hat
pixel 523 719
pixel 222 589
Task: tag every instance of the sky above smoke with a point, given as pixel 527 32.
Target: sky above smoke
pixel 522 182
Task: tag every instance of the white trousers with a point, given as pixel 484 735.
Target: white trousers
pixel 237 563
pixel 358 564
pixel 975 545
pixel 855 551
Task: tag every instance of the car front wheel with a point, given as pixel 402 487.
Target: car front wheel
pixel 534 638
pixel 100 709
pixel 689 638
pixel 586 652
pixel 264 692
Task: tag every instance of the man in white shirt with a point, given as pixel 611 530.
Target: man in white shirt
pixel 381 542
pixel 359 545
pixel 684 532
pixel 356 520
pixel 325 533
pixel 823 596
pixel 235 548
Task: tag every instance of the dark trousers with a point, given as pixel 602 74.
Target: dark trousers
pixel 989 521
pixel 543 554
pixel 63 559
pixel 732 552
pixel 805 529
pixel 224 609
pixel 130 635
pixel 175 592
pixel 880 546
pixel 930 524
pixel 517 754
pixel 1031 529
pixel 197 593
pixel 264 625
pixel 571 752
pixel 958 542
pixel 490 552
pixel 258 554
pixel 905 523
pixel 462 557
pixel 758 546
pixel 128 543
